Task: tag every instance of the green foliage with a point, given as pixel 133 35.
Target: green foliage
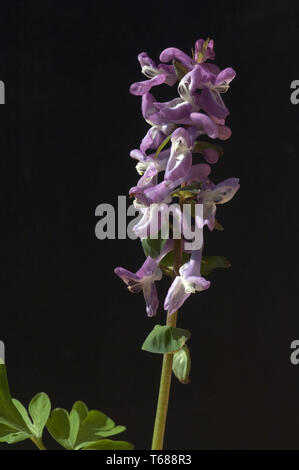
pixel 201 145
pixel 165 339
pixel 166 264
pixel 76 430
pixel 80 428
pixel 209 263
pixel 108 444
pixel 152 247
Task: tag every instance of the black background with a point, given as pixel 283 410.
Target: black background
pixel 70 327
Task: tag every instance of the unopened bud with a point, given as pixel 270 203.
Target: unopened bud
pixel 181 364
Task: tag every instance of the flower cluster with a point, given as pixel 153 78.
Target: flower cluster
pixel 176 127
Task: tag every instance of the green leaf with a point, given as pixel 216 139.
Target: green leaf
pixel 9 435
pixel 165 339
pixel 166 264
pixel 9 414
pixel 94 426
pixel 24 413
pixel 179 68
pixel 108 444
pixel 181 364
pixel 39 409
pixel 153 247
pixel 209 263
pixel 81 409
pixel 58 426
pixel 200 145
pixel 80 427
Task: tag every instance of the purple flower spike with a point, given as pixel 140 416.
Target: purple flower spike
pixel 144 280
pixel 188 282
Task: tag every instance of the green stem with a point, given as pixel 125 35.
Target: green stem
pixel 166 373
pixel 38 442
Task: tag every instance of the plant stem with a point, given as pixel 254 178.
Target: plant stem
pixel 166 373
pixel 38 442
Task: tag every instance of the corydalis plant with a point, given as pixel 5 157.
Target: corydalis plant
pixel 170 170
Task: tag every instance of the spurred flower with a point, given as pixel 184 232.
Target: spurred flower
pixel 180 159
pixel 144 279
pixel 156 74
pixel 188 282
pixel 216 194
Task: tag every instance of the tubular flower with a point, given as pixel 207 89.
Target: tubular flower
pixel 188 282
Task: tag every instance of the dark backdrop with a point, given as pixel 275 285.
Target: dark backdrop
pixel 69 325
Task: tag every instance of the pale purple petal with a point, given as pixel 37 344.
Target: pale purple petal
pixel 225 191
pixel 210 155
pixel 126 275
pixel 198 172
pixel 140 88
pixel 213 104
pixel 172 53
pixel 152 139
pixel 205 124
pixel 226 75
pixel 176 296
pixel 174 110
pixel 151 299
pixel 208 54
pixel 224 132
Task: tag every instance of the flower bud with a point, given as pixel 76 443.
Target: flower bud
pixel 181 364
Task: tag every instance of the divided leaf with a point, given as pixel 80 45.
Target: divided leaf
pixel 81 427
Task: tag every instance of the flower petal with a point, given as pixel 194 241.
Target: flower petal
pixel 176 296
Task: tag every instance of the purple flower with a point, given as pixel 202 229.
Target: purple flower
pixel 149 166
pixel 152 203
pixel 203 51
pixel 155 136
pixel 198 173
pixel 188 282
pixel 216 194
pixel 156 74
pixel 180 159
pixel 143 280
pixel 211 82
pixel 210 99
